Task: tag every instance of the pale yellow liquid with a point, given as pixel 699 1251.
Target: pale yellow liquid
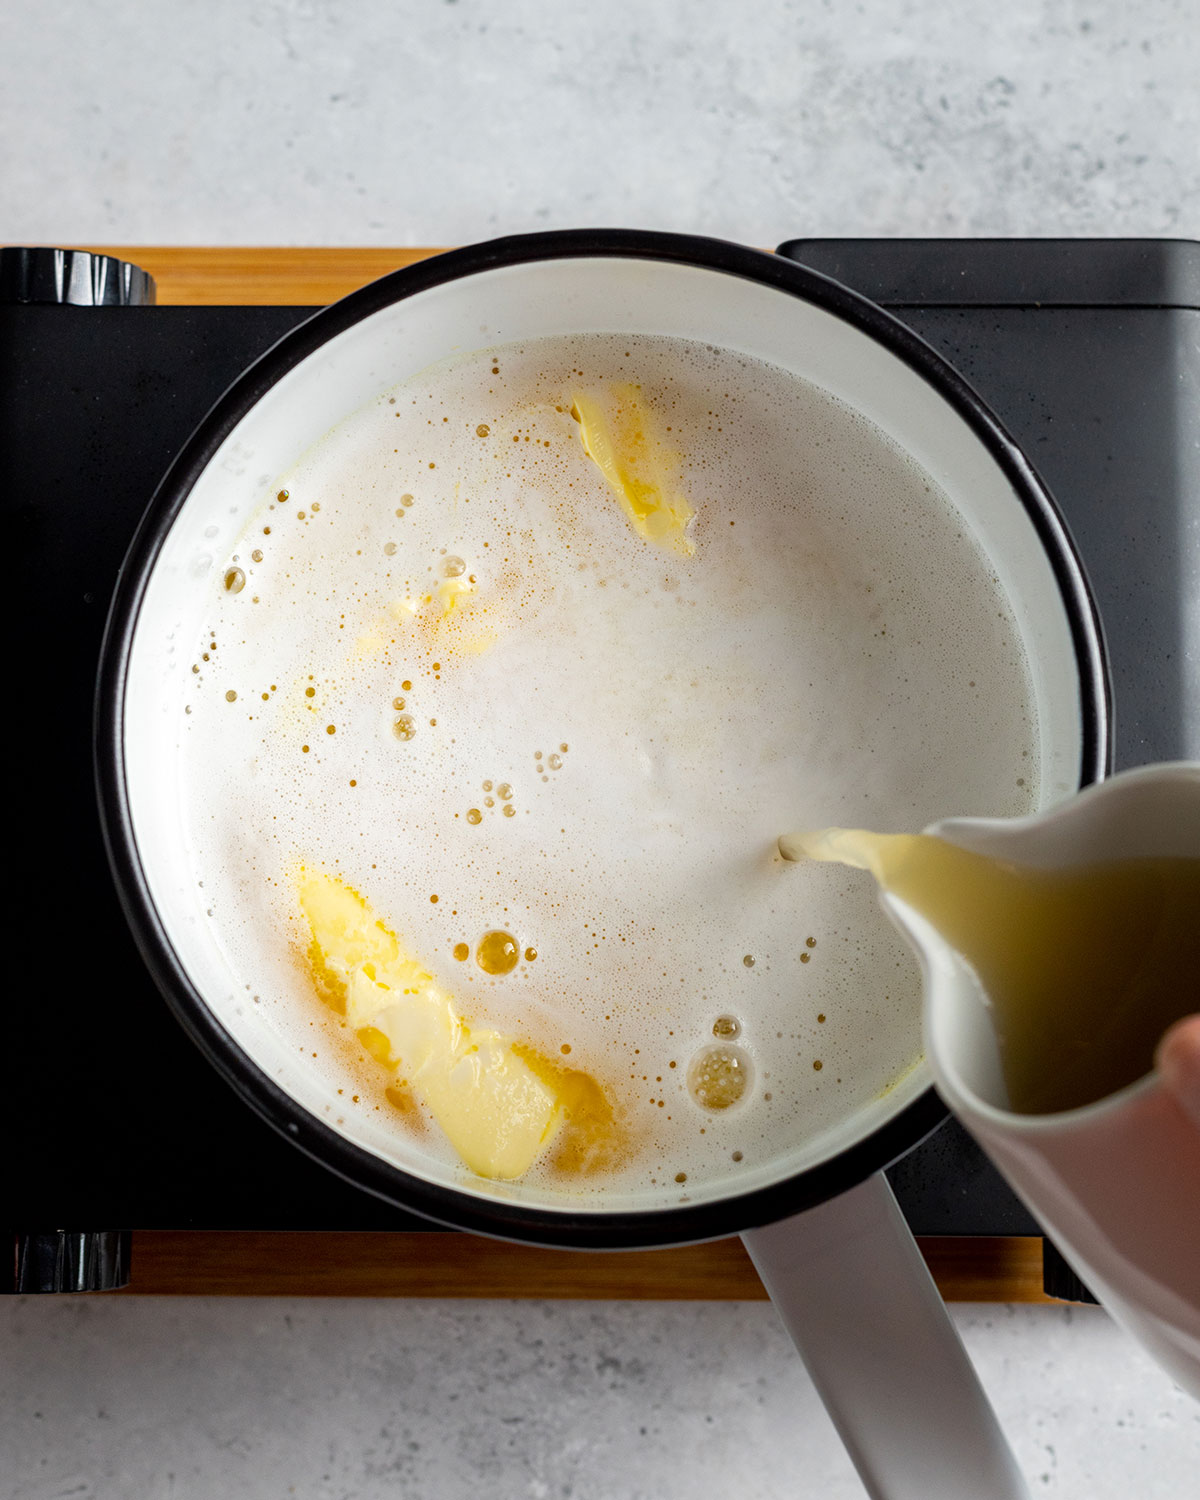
pixel 1084 969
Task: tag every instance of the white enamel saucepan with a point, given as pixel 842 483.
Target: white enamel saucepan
pixel 819 1221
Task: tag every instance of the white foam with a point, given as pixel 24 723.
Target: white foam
pixel 837 651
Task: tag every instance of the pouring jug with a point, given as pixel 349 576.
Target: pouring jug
pixel 1116 1183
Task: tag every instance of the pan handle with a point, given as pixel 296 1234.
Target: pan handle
pixel 857 1298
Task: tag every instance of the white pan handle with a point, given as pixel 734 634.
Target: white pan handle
pixel 856 1296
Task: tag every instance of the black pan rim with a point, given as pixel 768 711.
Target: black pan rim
pixel 679 1223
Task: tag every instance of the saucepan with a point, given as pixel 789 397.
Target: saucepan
pixel 819 1221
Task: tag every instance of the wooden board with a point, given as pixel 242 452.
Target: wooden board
pixel 225 277
pixel 196 1262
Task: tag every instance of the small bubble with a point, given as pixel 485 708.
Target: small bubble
pixel 310 692
pixel 483 429
pixel 397 703
pixel 453 567
pixel 331 729
pixel 810 942
pixel 727 1026
pixel 256 555
pixel 737 1156
pixel 537 755
pixel 474 815
pixel 804 957
pixel 434 900
pixel 509 810
pixel 530 955
pixel 564 748
pixel 282 496
pixel 489 802
pixel 405 727
pixel 389 549
pixel 487 786
pixel 235 581
pixel 749 960
pixel 503 791
pixel 821 1018
pixel 554 762
pixel 817 1065
pixel 407 686
pixel 565 1049
pixel 406 501
pixel 462 952
pixel 231 696
pixel 304 748
pixel 680 1176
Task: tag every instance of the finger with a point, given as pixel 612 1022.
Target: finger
pixel 1178 1063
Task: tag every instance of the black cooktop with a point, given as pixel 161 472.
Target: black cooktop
pixel 1089 352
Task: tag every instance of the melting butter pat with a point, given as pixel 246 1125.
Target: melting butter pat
pixel 450 590
pixel 621 436
pixel 494 1108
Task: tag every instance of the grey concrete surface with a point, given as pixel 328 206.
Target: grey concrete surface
pixel 340 122
pixel 361 1400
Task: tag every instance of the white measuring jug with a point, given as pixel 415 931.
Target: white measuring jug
pixel 1116 1183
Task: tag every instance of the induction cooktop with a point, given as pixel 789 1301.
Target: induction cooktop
pixel 1087 350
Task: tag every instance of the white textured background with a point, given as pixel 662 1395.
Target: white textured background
pixel 347 122
pixel 145 1399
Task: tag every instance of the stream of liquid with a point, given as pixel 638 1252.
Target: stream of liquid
pixel 1083 969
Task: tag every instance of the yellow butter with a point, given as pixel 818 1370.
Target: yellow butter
pixel 494 1108
pixel 450 590
pixel 622 437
